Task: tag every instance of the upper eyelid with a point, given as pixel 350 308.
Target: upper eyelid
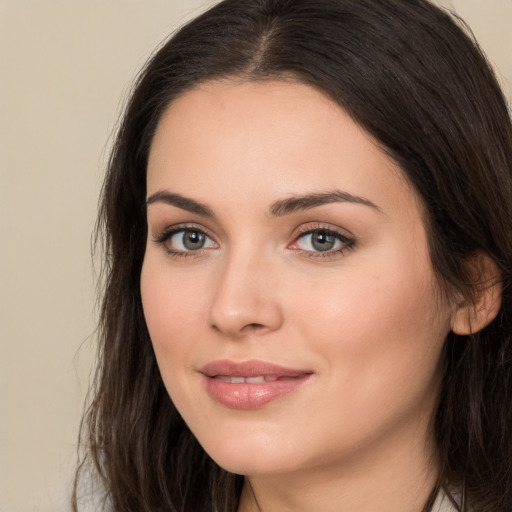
pixel 176 228
pixel 158 225
pixel 310 227
pixel 345 237
pixel 347 243
pixel 165 235
pixel 301 230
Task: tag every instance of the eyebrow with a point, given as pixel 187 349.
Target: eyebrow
pixel 278 208
pixel 308 201
pixel 185 203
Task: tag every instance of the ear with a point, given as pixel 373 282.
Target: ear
pixel 473 315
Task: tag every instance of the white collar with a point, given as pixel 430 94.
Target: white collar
pixel 443 503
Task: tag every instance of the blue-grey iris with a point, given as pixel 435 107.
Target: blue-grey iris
pixel 322 241
pixel 193 240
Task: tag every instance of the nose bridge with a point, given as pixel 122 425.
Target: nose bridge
pixel 244 299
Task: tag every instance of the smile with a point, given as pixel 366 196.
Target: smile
pixel 250 380
pixel 250 384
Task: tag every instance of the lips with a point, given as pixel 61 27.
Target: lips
pixel 250 380
pixel 250 384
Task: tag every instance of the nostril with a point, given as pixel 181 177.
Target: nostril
pixel 247 327
pixel 252 327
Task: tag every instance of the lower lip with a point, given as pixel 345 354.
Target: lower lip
pixel 251 395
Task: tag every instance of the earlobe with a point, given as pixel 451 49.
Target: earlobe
pixel 472 316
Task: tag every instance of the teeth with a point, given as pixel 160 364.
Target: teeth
pixel 254 380
pixel 249 380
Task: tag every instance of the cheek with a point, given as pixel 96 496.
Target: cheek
pixel 380 340
pixel 368 300
pixel 379 323
pixel 172 308
pixel 174 314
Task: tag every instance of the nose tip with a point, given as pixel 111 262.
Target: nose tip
pixel 243 305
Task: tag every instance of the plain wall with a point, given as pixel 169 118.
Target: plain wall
pixel 65 70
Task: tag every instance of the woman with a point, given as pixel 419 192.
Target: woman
pixel 308 254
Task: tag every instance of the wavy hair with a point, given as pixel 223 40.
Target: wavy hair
pixel 412 77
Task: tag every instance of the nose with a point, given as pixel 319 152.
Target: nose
pixel 245 300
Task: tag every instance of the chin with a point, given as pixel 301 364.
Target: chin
pixel 248 465
pixel 246 457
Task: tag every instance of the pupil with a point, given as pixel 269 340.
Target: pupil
pixel 323 241
pixel 193 240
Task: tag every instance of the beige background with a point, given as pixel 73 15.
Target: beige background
pixel 65 69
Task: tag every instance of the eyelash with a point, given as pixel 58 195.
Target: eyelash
pixel 347 243
pixel 168 233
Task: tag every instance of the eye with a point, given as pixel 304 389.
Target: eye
pixel 183 240
pixel 322 240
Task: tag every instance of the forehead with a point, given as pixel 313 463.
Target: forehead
pixel 271 139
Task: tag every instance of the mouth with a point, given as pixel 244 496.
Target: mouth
pixel 250 380
pixel 250 384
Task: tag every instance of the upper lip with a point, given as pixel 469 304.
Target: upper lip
pixel 251 368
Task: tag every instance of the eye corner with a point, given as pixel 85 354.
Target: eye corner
pixel 175 242
pixel 330 241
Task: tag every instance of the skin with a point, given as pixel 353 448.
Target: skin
pixel 369 322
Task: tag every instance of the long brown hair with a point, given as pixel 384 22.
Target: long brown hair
pixel 412 77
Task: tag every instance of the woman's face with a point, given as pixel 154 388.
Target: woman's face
pixel 286 284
